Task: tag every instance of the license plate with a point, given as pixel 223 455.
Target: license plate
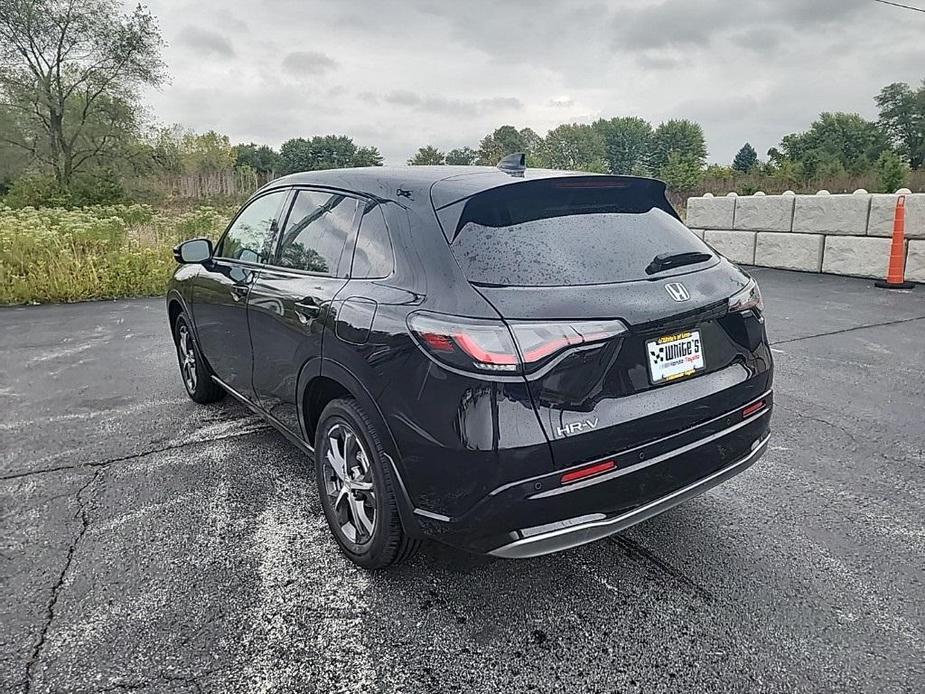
pixel 675 356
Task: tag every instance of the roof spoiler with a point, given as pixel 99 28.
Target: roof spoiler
pixel 514 164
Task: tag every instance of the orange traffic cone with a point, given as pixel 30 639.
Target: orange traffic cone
pixel 896 272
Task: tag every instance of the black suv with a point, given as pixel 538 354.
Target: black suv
pixel 511 361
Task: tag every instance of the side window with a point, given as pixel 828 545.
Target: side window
pixel 316 231
pixel 372 258
pixel 250 237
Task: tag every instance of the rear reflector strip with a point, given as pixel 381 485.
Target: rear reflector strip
pixel 590 471
pixel 753 408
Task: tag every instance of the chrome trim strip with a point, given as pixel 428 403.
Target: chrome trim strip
pixel 628 451
pixel 430 514
pixel 619 472
pixel 567 538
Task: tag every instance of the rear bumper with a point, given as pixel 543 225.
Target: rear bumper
pixel 578 532
pixel 541 514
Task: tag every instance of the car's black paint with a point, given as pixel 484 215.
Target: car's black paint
pixel 288 341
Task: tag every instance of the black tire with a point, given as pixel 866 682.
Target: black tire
pixel 387 543
pixel 194 372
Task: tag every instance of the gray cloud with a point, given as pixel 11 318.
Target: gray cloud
pixel 442 104
pixel 308 63
pixel 205 42
pixel 420 72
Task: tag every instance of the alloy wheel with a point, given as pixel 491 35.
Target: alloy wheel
pixel 187 358
pixel 349 483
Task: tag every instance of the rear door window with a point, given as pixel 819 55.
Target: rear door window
pixel 317 228
pixel 563 234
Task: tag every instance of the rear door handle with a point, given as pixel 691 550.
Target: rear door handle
pixel 239 291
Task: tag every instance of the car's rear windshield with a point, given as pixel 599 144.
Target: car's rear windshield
pixel 564 234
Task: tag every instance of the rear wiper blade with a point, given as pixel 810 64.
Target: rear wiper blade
pixel 664 261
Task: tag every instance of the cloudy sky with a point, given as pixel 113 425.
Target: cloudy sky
pixel 406 73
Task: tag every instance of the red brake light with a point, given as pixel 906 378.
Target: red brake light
pixel 486 345
pixel 753 408
pixel 590 471
pixel 471 346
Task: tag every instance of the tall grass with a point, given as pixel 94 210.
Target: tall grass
pixel 54 255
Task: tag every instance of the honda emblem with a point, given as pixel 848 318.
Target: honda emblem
pixel 677 291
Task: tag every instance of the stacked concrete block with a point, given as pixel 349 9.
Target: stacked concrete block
pixel 831 214
pixel 837 234
pixel 915 261
pixel 883 212
pixel 738 246
pixel 710 213
pixel 856 255
pixel 764 213
pixel 790 251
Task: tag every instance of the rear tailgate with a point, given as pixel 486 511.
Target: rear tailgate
pixel 601 400
pixel 557 252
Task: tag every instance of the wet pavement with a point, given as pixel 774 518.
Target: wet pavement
pixel 148 544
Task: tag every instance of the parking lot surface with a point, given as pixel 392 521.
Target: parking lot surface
pixel 148 544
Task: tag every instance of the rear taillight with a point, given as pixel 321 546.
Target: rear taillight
pixel 493 347
pixel 749 298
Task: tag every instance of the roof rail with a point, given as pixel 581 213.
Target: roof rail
pixel 514 164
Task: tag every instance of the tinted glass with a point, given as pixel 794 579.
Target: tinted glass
pixel 250 237
pixel 372 258
pixel 563 236
pixel 316 231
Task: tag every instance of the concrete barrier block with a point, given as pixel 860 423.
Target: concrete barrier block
pixel 764 213
pixel 790 251
pixel 883 211
pixel 698 233
pixel 860 256
pixel 710 213
pixel 831 214
pixel 915 261
pixel 738 246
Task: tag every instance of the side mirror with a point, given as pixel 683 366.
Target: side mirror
pixel 194 251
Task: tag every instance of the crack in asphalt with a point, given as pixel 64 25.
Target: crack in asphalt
pixel 849 330
pixel 132 456
pixel 56 588
pixel 636 551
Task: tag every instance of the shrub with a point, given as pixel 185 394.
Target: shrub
pixel 96 252
pixel 36 191
pixel 891 172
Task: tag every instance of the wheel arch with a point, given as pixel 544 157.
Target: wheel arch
pixel 328 381
pixel 174 309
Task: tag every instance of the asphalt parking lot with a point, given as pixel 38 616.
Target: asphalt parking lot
pixel 148 544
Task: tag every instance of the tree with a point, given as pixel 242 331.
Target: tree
pixel 835 144
pixel 575 147
pixel 463 156
pixel 682 173
pixel 682 136
pixel 70 70
pixel 367 156
pixel 626 143
pixel 206 153
pixel 891 172
pixel 506 140
pixel 902 116
pixel 260 158
pixel 427 156
pixel 746 159
pixel 325 152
